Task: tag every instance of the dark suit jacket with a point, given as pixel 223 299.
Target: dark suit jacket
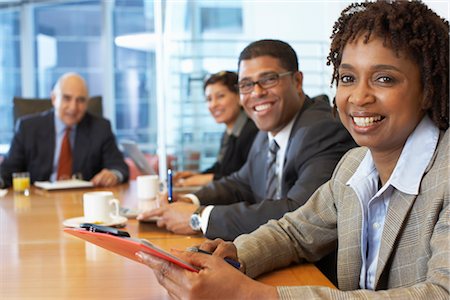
pixel 236 154
pixel 317 142
pixel 33 147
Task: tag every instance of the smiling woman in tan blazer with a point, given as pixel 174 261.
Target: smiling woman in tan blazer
pixel 386 207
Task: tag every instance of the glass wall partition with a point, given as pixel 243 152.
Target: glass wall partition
pixel 10 63
pixel 204 37
pixel 67 38
pixel 113 44
pixel 135 72
pixel 121 46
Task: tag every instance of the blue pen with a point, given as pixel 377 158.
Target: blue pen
pixel 169 186
pixel 232 262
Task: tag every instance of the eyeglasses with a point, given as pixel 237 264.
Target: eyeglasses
pixel 269 80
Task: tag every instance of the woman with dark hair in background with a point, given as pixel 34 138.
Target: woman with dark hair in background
pixel 222 98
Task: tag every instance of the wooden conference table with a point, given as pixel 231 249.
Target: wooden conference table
pixel 39 261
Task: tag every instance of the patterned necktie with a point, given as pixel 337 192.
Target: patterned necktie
pixel 272 172
pixel 65 158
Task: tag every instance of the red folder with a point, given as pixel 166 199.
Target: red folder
pixel 127 247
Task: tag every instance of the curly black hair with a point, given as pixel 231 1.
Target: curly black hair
pixel 408 27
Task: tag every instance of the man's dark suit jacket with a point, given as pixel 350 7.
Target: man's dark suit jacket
pixel 316 144
pixel 236 153
pixel 33 147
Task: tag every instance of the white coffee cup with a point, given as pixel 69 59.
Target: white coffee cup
pixel 147 187
pixel 100 207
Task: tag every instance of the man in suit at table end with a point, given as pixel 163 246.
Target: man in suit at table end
pixel 65 141
pixel 307 143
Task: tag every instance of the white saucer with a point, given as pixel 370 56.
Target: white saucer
pixel 75 222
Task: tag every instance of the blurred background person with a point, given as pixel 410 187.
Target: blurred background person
pixel 222 98
pixel 64 141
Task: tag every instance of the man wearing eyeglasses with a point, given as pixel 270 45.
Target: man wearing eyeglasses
pixel 296 151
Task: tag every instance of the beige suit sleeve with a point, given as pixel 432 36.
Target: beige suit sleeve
pixel 304 234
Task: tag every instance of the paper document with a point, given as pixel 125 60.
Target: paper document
pixel 63 184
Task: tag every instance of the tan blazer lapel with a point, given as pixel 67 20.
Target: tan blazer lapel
pixel 399 207
pixel 349 256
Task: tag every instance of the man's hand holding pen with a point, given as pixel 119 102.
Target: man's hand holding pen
pixel 174 217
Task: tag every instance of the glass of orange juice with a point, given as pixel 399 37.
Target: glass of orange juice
pixel 21 182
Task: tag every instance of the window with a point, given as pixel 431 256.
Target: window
pixel 10 81
pixel 115 46
pixel 134 73
pixel 221 19
pixel 68 39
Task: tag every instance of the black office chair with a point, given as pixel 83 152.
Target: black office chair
pixel 26 106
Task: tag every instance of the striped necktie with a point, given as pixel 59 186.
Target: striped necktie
pixel 272 171
pixel 65 158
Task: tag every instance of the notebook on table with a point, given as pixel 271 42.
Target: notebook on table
pixel 127 246
pixel 63 184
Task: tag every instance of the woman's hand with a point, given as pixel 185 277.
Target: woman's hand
pixel 216 278
pixel 222 249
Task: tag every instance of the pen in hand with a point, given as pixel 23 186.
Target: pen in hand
pixel 169 186
pixel 232 262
